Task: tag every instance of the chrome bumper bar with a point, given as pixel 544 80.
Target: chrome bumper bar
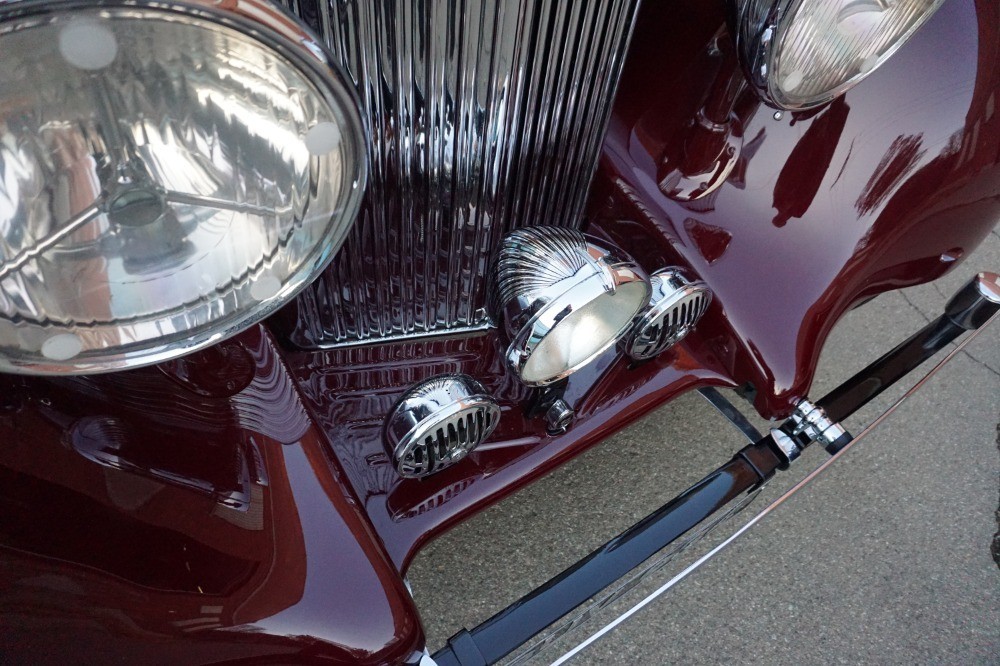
pixel 971 309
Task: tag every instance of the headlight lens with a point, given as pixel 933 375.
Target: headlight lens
pixel 168 176
pixel 803 53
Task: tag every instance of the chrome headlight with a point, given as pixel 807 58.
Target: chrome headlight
pixel 803 53
pixel 170 173
pixel 564 299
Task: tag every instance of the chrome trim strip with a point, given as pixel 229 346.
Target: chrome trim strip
pixel 450 333
pixel 629 582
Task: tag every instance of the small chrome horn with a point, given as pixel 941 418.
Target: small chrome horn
pixel 564 298
pixel 674 309
pixel 437 423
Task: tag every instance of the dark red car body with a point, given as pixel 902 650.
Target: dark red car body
pixel 238 505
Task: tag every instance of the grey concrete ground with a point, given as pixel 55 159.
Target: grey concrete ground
pixel 885 559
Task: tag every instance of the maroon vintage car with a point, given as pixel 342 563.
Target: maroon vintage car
pixel 285 292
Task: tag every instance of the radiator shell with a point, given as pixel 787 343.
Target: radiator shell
pixel 483 117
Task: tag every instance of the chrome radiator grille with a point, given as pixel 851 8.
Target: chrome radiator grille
pixel 484 116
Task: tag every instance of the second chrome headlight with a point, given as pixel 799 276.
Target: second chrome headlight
pixel 169 174
pixel 803 53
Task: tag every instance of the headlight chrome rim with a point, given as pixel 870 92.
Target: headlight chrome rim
pixel 269 27
pixel 534 332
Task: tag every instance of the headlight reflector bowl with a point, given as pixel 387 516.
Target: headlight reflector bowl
pixel 169 174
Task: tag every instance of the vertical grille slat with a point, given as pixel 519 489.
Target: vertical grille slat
pixel 484 117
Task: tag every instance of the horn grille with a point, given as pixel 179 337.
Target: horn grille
pixel 675 308
pixel 437 423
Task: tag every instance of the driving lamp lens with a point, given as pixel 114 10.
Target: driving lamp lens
pixel 563 299
pixel 167 177
pixel 813 51
pixel 583 333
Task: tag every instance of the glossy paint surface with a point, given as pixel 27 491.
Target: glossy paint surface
pixel 136 512
pixel 350 391
pixel 252 483
pixel 887 186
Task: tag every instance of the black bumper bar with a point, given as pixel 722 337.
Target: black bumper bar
pixel 500 635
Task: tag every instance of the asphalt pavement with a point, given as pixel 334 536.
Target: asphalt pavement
pixel 885 559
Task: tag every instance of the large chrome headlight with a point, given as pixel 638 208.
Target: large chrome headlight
pixel 803 53
pixel 169 174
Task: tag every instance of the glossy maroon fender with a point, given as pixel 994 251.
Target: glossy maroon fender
pixel 239 504
pixel 140 519
pixel 890 185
